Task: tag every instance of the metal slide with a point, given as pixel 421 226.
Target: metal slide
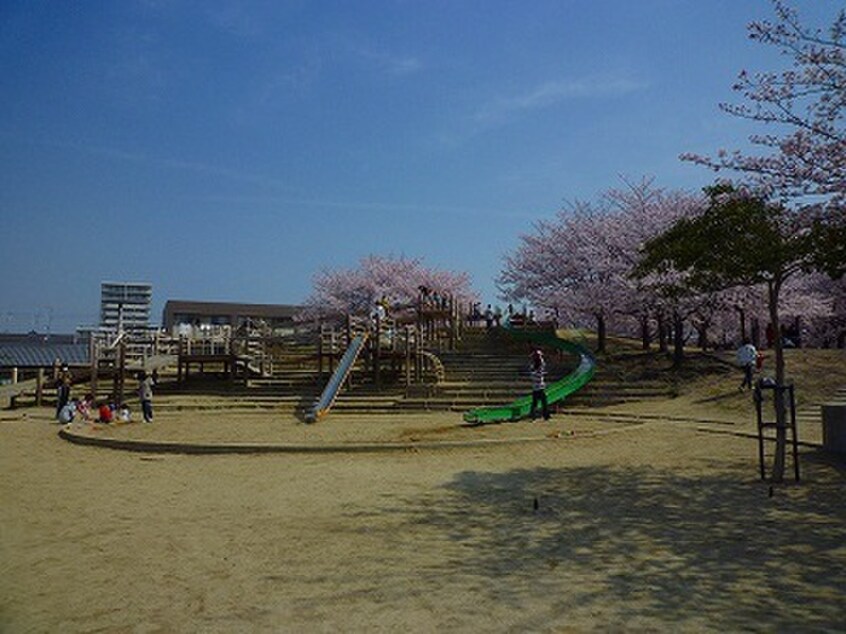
pixel 330 392
pixel 554 392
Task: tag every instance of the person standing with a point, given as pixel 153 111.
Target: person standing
pixel 747 357
pixel 538 372
pixel 145 393
pixel 63 389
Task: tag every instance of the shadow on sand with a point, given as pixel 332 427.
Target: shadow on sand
pixel 642 545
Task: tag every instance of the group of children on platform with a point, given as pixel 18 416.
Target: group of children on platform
pixel 427 298
pixel 493 316
pixel 67 409
pixel 433 299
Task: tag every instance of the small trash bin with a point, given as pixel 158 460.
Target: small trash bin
pixel 834 427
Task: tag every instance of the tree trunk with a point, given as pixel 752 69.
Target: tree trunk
pixel 678 339
pixel 662 333
pixel 773 289
pixel 756 333
pixel 600 331
pixel 742 324
pixel 702 339
pixel 644 332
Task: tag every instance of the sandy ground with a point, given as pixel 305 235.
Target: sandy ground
pixel 655 526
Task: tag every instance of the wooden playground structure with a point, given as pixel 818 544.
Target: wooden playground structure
pixel 401 353
pixel 401 348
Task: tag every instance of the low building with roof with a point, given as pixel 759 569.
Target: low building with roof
pixel 279 317
pixel 23 356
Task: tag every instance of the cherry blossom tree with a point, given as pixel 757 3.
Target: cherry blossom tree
pixel 356 290
pixel 826 327
pixel 804 104
pixel 563 265
pixel 804 158
pixel 642 212
pixel 759 244
pixel 580 262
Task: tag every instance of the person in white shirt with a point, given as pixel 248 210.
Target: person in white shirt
pixel 747 356
pixel 538 370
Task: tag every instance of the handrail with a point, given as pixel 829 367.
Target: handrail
pixel 437 364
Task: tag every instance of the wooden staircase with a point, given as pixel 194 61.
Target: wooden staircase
pixel 490 370
pixel 487 369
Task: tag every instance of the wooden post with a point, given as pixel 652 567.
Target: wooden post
pixel 407 356
pixel 792 402
pixel 179 357
pixel 320 352
pixel 778 396
pixel 377 379
pixel 420 319
pixel 121 374
pixel 39 387
pixel 92 357
pixel 14 375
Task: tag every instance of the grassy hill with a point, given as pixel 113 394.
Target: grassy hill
pixel 711 379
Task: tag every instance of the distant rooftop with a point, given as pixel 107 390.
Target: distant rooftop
pixel 40 337
pixel 232 313
pixel 42 354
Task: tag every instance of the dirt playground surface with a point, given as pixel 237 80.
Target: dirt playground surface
pixel 659 523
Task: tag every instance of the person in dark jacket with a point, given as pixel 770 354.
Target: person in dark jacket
pixel 63 389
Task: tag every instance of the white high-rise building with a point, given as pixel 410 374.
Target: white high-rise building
pixel 125 305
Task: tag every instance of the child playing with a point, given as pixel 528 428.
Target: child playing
pixel 84 406
pixel 106 414
pixel 67 412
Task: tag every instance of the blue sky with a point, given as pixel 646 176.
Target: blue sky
pixel 227 150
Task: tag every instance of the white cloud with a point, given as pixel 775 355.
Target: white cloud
pixel 396 65
pixel 379 59
pixel 551 93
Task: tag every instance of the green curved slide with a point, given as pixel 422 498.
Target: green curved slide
pixel 555 392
